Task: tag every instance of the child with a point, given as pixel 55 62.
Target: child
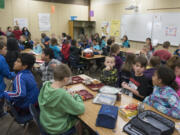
pixel 164 98
pixel 106 49
pixel 56 49
pixel 12 52
pixel 58 109
pixel 138 84
pixel 96 48
pixel 24 43
pixel 66 50
pixel 37 48
pixel 177 52
pixel 149 44
pixel 45 39
pixel 177 73
pixel 17 32
pixel 1 32
pixel 127 68
pixel 164 54
pixel 9 31
pixel 75 52
pixel 26 32
pixel 103 42
pixel 126 42
pixel 154 62
pixel 25 90
pixel 47 67
pixel 115 49
pixel 4 72
pixel 171 62
pixel 146 52
pixel 109 75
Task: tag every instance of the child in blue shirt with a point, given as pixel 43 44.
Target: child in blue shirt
pixel 25 90
pixel 103 42
pixel 96 48
pixel 56 49
pixel 4 72
pixel 177 52
pixel 126 42
pixel 164 97
pixel 37 48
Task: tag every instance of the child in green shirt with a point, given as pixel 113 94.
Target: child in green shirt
pixel 58 109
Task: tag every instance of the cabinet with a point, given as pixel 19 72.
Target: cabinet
pixel 77 28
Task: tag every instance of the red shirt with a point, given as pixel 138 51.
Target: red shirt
pixel 17 34
pixel 65 51
pixel 163 54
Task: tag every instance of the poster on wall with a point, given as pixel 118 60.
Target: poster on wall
pixel 105 28
pixel 115 28
pixel 21 22
pixel 44 22
pixel 171 31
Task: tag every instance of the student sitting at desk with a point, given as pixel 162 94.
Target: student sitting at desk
pixel 109 75
pixel 164 97
pixel 4 72
pixel 164 54
pixel 126 42
pixel 37 48
pixel 58 108
pixel 115 49
pixel 177 52
pixel 103 42
pixel 146 52
pixel 56 49
pixel 25 90
pixel 107 48
pixel 75 52
pixel 138 84
pixel 96 48
pixel 149 43
pixel 48 66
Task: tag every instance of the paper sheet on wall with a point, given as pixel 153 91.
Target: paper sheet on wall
pixel 105 28
pixel 21 22
pixel 115 28
pixel 44 21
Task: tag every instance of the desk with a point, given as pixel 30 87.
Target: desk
pixel 91 112
pixel 94 57
pixel 130 50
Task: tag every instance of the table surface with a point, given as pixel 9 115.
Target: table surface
pixel 94 57
pixel 130 50
pixel 91 112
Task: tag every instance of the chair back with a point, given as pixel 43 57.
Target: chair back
pixel 35 115
pixel 18 118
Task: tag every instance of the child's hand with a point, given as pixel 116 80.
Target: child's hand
pixel 125 85
pixel 108 68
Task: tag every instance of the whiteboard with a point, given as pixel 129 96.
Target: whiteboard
pixel 137 26
pixel 166 27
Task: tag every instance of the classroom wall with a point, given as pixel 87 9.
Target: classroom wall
pixel 113 11
pixel 29 9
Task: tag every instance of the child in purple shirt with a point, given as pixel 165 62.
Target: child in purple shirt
pixel 115 49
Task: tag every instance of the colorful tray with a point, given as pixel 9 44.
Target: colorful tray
pixel 85 94
pixel 76 79
pixel 95 87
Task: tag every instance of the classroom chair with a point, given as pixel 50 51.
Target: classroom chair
pixel 35 115
pixel 76 66
pixel 21 120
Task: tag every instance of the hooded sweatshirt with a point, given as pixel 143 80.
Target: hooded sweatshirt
pixel 58 109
